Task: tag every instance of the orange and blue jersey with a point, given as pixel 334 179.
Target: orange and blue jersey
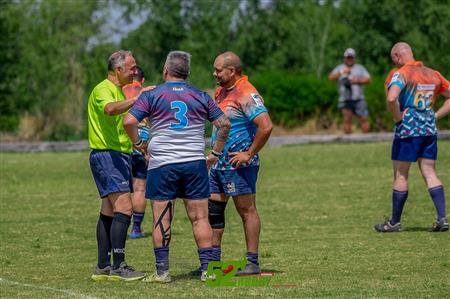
pixel 389 77
pixel 419 87
pixel 241 104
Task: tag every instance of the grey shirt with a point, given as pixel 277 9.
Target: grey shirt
pixel 351 91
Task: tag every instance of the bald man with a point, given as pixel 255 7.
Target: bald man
pixel 411 94
pixel 235 172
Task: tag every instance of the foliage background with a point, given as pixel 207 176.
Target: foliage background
pixel 53 52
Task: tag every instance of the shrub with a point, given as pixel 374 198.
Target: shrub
pixel 292 99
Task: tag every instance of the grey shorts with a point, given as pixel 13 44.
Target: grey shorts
pixel 358 107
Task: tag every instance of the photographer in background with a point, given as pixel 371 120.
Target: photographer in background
pixel 350 78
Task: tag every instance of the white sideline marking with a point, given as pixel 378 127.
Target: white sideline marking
pixel 67 292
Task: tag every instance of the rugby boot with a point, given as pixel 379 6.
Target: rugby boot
pixel 101 274
pixel 136 233
pixel 163 278
pixel 125 273
pixel 249 269
pixel 440 226
pixel 387 227
pixel 197 272
pixel 204 275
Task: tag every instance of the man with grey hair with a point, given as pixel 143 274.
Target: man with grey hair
pixel 176 112
pixel 110 165
pixel 351 77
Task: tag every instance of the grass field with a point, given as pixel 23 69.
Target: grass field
pixel 318 204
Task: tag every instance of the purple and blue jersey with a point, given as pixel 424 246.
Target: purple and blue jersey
pixel 176 113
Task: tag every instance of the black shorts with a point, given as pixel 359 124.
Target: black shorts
pixel 358 107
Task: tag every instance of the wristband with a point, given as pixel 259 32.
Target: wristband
pixel 216 154
pixel 139 143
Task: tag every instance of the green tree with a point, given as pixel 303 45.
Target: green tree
pixel 49 82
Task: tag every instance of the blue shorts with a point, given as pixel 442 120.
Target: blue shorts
pixel 138 166
pixel 111 171
pixel 187 180
pixel 234 182
pixel 411 148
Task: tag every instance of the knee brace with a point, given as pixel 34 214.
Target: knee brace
pixel 216 213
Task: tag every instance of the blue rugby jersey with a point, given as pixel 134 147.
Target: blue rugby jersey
pixel 419 86
pixel 176 112
pixel 241 104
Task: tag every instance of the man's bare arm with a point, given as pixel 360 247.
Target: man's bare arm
pixel 392 103
pixel 117 108
pixel 130 124
pixel 361 80
pixel 445 109
pixel 223 128
pixel 263 130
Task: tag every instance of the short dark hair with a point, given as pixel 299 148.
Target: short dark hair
pixel 178 64
pixel 139 74
pixel 118 59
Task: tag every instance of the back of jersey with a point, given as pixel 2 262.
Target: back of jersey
pixel 419 87
pixel 177 113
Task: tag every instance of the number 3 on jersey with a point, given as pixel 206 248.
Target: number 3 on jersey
pixel 180 115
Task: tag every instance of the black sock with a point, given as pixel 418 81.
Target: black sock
pixel 119 230
pixel 104 241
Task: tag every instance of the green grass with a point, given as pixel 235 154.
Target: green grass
pixel 318 204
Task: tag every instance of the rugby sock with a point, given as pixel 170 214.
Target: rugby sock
pixel 252 257
pixel 137 219
pixel 216 252
pixel 162 259
pixel 438 196
pixel 119 230
pixel 104 241
pixel 398 202
pixel 205 255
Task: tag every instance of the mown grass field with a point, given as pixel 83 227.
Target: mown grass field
pixel 318 204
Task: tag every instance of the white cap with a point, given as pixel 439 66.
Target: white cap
pixel 349 53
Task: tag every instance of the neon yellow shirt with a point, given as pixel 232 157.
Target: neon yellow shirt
pixel 106 132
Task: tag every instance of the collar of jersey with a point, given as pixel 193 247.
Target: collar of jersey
pixel 176 82
pixel 415 62
pixel 238 82
pixel 136 83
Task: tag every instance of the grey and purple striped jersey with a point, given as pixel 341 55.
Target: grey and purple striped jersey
pixel 176 112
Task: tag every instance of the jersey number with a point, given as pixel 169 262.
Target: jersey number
pixel 180 115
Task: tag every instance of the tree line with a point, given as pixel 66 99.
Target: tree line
pixel 53 52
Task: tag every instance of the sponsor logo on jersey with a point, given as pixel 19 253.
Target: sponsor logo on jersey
pixel 257 99
pixel 425 86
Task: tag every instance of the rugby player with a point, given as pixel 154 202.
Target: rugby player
pixel 412 92
pixel 138 161
pixel 177 112
pixel 236 171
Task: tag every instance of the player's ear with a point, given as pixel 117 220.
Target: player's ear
pixel 232 70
